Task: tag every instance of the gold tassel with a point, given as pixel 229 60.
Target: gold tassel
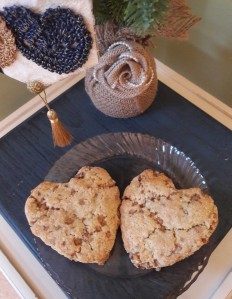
pixel 61 136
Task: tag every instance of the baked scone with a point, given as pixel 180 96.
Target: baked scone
pixel 162 225
pixel 78 219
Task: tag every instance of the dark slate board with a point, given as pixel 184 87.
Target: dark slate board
pixel 27 154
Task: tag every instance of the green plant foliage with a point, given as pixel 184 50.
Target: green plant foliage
pixel 143 16
pixel 109 10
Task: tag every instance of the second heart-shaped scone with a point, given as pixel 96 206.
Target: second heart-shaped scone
pixel 78 219
pixel 162 225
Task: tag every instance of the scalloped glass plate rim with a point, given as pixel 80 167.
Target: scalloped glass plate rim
pixel 168 158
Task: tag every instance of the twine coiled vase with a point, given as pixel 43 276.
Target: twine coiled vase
pixel 124 82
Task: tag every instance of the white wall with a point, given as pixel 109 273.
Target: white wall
pixel 206 58
pixel 13 94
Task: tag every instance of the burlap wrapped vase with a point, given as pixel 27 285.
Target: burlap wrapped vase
pixel 124 82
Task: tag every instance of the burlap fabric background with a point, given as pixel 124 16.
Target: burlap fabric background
pixel 124 82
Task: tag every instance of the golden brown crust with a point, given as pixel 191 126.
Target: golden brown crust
pixel 78 219
pixel 162 225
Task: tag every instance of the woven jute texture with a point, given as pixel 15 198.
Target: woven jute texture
pixel 7 45
pixel 124 82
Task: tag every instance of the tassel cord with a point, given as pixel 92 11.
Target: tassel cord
pixel 44 99
pixel 61 135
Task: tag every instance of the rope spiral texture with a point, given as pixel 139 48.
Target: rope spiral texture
pixel 7 45
pixel 108 33
pixel 57 40
pixel 35 87
pixel 124 82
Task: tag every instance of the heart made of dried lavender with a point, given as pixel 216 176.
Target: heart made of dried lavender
pixel 58 40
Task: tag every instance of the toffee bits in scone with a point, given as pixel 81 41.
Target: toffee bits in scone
pixel 162 225
pixel 78 219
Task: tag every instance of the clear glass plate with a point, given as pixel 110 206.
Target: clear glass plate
pixel 124 156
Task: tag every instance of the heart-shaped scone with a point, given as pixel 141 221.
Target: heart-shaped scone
pixel 162 225
pixel 78 219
